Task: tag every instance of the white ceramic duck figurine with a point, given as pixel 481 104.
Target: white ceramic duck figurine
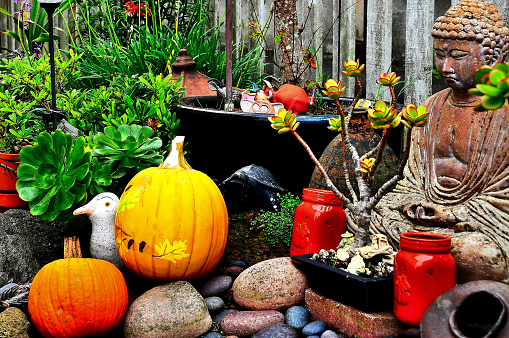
pixel 101 211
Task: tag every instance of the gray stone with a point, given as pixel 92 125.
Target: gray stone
pixel 219 317
pixel 245 323
pixel 216 286
pixel 240 264
pixel 212 335
pixel 273 284
pixel 22 246
pixel 297 317
pixel 477 258
pixel 314 328
pixel 277 331
pixel 14 323
pixel 214 304
pixel 170 310
pixel 329 334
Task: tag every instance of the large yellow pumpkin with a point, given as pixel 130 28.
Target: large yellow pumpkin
pixel 171 221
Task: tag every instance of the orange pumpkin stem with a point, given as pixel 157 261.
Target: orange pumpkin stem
pixel 176 158
pixel 72 247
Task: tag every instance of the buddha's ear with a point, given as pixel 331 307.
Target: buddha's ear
pixel 497 56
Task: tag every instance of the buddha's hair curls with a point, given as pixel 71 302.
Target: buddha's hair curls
pixel 474 20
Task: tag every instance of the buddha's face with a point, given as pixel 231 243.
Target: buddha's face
pixel 457 61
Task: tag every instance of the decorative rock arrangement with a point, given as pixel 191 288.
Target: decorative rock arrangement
pixel 14 323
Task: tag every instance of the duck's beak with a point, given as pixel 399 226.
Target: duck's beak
pixel 84 210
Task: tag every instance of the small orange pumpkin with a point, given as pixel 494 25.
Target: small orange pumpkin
pixel 171 222
pixel 77 297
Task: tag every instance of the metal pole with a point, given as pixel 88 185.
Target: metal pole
pixel 228 98
pixel 50 10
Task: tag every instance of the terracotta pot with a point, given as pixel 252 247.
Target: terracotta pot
pixel 9 197
pixel 318 223
pixel 423 269
pixel 7 180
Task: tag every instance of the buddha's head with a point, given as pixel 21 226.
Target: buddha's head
pixel 470 34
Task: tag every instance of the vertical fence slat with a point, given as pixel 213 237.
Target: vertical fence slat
pixel 347 42
pixel 318 18
pixel 335 39
pixel 503 7
pixel 418 51
pixel 378 45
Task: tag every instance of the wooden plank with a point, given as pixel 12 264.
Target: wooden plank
pixel 335 39
pixel 378 45
pixel 347 43
pixel 418 51
pixel 318 38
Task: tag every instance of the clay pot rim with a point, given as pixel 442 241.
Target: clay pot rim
pixel 320 196
pixel 425 242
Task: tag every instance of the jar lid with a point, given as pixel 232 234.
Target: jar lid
pixel 320 196
pixel 425 242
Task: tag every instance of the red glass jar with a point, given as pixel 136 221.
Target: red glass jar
pixel 423 269
pixel 318 223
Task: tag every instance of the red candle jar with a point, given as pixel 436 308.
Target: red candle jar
pixel 318 223
pixel 423 269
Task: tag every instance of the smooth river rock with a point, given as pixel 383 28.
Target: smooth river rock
pixel 246 323
pixel 170 310
pixel 274 284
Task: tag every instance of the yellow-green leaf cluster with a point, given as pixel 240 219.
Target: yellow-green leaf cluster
pixel 284 121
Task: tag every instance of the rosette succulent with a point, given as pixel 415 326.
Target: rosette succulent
pixel 388 79
pixel 54 174
pixel 383 117
pixel 335 124
pixel 129 146
pixel 333 89
pixel 366 164
pixel 284 121
pixel 415 117
pixel 492 85
pixel 352 68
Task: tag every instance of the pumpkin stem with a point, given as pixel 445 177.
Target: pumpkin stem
pixel 72 247
pixel 176 158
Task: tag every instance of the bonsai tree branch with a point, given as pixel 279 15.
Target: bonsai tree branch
pixel 328 181
pixel 12 172
pixel 387 186
pixel 344 137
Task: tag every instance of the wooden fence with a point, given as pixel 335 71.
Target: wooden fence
pixel 391 31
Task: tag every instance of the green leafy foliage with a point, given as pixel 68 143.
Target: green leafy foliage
pixel 126 148
pixel 277 226
pixel 492 85
pixel 54 174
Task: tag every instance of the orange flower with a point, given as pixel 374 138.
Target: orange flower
pixel 134 9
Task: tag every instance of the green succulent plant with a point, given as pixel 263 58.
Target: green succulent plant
pixel 128 147
pixel 492 85
pixel 54 174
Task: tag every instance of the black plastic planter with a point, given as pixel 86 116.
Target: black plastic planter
pixel 365 294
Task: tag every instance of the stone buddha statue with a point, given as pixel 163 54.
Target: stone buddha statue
pixel 457 177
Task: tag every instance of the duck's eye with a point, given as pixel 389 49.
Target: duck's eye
pixel 107 204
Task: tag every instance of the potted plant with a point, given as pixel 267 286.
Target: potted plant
pixel 361 202
pixel 18 124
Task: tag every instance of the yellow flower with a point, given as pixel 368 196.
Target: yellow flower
pixel 172 252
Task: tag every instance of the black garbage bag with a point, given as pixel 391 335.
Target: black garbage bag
pixel 252 188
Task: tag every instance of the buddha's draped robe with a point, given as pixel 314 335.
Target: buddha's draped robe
pixel 482 196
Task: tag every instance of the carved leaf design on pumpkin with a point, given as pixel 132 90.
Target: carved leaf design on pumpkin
pixel 172 252
pixel 129 200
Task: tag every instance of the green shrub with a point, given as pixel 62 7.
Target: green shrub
pixel 277 226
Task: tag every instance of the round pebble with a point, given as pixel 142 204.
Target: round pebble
pixel 297 317
pixel 329 334
pixel 216 286
pixel 314 328
pixel 219 317
pixel 240 264
pixel 214 303
pixel 213 335
pixel 313 336
pixel 278 330
pixel 233 271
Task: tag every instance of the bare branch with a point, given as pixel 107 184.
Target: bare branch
pixel 11 172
